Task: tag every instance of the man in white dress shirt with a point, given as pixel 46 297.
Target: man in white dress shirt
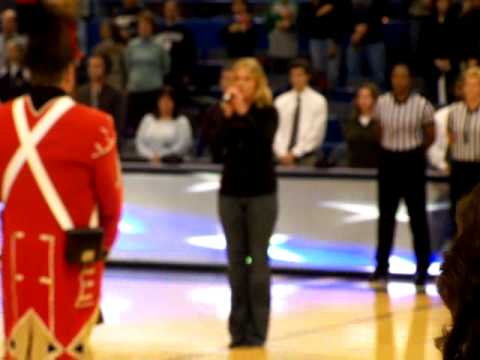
pixel 302 119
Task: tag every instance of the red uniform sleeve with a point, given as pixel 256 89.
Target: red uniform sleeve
pixel 108 182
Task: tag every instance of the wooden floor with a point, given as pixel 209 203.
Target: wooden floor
pixel 180 317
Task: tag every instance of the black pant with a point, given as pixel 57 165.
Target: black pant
pixel 139 104
pixel 249 224
pixel 402 176
pixel 464 176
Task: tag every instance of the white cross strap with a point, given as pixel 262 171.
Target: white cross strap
pixel 38 133
pixel 28 153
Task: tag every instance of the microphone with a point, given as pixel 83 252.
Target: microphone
pixel 227 97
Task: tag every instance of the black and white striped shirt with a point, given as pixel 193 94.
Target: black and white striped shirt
pixel 464 126
pixel 402 122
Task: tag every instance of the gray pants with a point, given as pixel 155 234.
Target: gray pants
pixel 249 224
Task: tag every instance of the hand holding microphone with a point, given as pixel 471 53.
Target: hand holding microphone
pixel 234 102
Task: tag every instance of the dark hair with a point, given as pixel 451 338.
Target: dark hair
pixel 50 51
pixel 167 91
pixel 177 4
pixel 245 3
pixel 149 17
pixel 403 64
pixel 113 29
pixel 374 91
pixel 459 284
pixel 303 64
pixel 107 62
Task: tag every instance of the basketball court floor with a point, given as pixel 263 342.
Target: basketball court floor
pixel 155 315
pixel 325 224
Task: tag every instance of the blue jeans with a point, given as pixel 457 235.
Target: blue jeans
pixel 322 62
pixel 373 55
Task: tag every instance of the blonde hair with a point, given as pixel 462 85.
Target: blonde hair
pixel 263 97
pixel 473 72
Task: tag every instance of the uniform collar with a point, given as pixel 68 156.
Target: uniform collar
pixel 471 111
pixel 40 95
pixel 302 93
pixel 401 102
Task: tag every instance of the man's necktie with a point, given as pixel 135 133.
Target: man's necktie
pixel 296 123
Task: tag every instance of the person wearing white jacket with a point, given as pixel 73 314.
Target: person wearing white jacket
pixel 302 119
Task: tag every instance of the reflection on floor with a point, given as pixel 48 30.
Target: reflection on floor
pixel 180 317
pixel 154 236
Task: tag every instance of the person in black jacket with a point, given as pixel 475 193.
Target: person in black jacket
pixel 248 201
pixel 240 36
pixel 439 51
pixel 321 22
pixel 361 131
pixel 367 45
pixel 99 94
pixel 469 37
pixel 179 42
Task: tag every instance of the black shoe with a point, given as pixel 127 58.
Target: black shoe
pixel 421 281
pixel 379 280
pixel 257 343
pixel 237 344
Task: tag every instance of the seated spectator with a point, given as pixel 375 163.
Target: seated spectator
pixel 362 131
pixel 179 42
pixel 302 119
pixel 283 37
pixel 147 65
pixel 9 31
pixel 164 136
pixel 367 45
pixel 322 23
pixel 126 19
pixel 211 122
pixel 115 51
pixel 240 37
pixel 459 284
pixel 439 51
pixel 99 94
pixel 14 77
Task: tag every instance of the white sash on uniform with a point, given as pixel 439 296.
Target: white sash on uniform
pixel 28 153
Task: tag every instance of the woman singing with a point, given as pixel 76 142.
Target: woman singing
pixel 248 200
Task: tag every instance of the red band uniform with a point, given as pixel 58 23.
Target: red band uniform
pixel 51 306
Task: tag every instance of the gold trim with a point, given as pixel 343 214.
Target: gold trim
pixel 17 235
pixel 50 280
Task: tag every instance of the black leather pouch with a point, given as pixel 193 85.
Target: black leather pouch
pixel 84 246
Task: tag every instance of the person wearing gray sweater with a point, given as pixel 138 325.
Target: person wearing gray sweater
pixel 147 65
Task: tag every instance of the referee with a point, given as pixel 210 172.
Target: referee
pixel 464 135
pixel 407 130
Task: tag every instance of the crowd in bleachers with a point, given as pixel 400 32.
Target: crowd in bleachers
pixel 139 56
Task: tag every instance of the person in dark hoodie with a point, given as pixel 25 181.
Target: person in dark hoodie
pixel 438 50
pixel 179 42
pixel 321 21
